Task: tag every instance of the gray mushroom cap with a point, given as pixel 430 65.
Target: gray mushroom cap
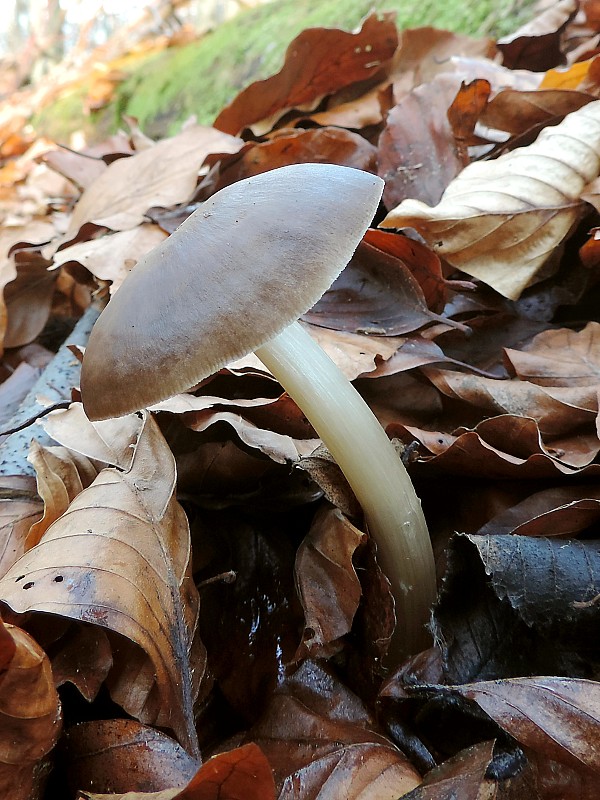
pixel 250 261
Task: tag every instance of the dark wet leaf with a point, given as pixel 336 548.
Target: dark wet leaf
pixel 527 606
pixel 121 755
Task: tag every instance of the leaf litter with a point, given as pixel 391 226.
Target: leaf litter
pixel 198 585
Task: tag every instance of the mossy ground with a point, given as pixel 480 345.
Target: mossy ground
pixel 200 78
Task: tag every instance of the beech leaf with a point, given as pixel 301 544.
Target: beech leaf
pixel 119 558
pixel 557 717
pixel 501 220
pixel 30 716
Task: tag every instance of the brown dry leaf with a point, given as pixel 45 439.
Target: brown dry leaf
pixel 425 52
pixel 537 45
pixel 558 718
pixel 85 659
pixel 61 476
pixel 328 586
pixel 320 145
pixel 30 716
pixel 318 62
pixel 520 112
pixel 20 508
pixel 500 447
pixel 417 155
pixel 159 176
pixel 317 735
pixel 126 568
pixel 36 230
pixel 463 776
pixel 560 357
pixel 121 755
pixel 355 354
pixel 559 511
pixel 498 220
pixel 111 441
pixel 558 410
pixel 240 774
pixel 424 265
pixel 112 257
pixel 375 294
pixel 28 298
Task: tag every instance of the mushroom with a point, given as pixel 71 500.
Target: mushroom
pixel 234 278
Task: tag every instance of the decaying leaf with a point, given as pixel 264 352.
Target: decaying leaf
pixel 501 220
pixel 327 582
pixel 240 774
pixel 121 755
pixel 30 716
pixel 539 593
pixel 559 718
pixel 125 568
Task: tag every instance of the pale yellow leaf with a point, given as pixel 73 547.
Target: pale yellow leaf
pixel 501 220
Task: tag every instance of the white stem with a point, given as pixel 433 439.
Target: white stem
pixel 354 437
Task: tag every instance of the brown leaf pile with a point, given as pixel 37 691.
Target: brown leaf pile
pixel 192 605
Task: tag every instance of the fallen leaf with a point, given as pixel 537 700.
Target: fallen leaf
pixel 524 606
pixel 536 45
pixel 418 154
pixel 318 62
pixel 240 774
pixel 112 257
pixel 135 513
pixel 120 755
pixel 60 478
pixel 498 221
pixel 559 718
pixel 375 294
pixel 30 720
pixel 559 511
pixel 462 776
pixel 20 508
pixel 327 145
pixel 560 357
pixel 328 586
pixel 557 410
pixel 318 735
pixel 159 176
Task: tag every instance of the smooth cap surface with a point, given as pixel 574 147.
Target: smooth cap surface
pixel 250 261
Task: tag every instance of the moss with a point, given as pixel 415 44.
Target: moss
pixel 202 77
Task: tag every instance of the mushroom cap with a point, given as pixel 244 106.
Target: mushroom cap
pixel 245 265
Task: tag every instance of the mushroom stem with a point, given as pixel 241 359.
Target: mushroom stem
pixel 353 435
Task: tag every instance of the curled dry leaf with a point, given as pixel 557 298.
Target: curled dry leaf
pixel 159 176
pixel 112 257
pixel 318 62
pixel 328 586
pixel 537 45
pixel 558 410
pixel 30 717
pixel 126 568
pixel 61 475
pixel 561 357
pixel 240 774
pixel 501 220
pixel 559 718
pixel 505 446
pixel 318 735
pixel 20 508
pixel 121 755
